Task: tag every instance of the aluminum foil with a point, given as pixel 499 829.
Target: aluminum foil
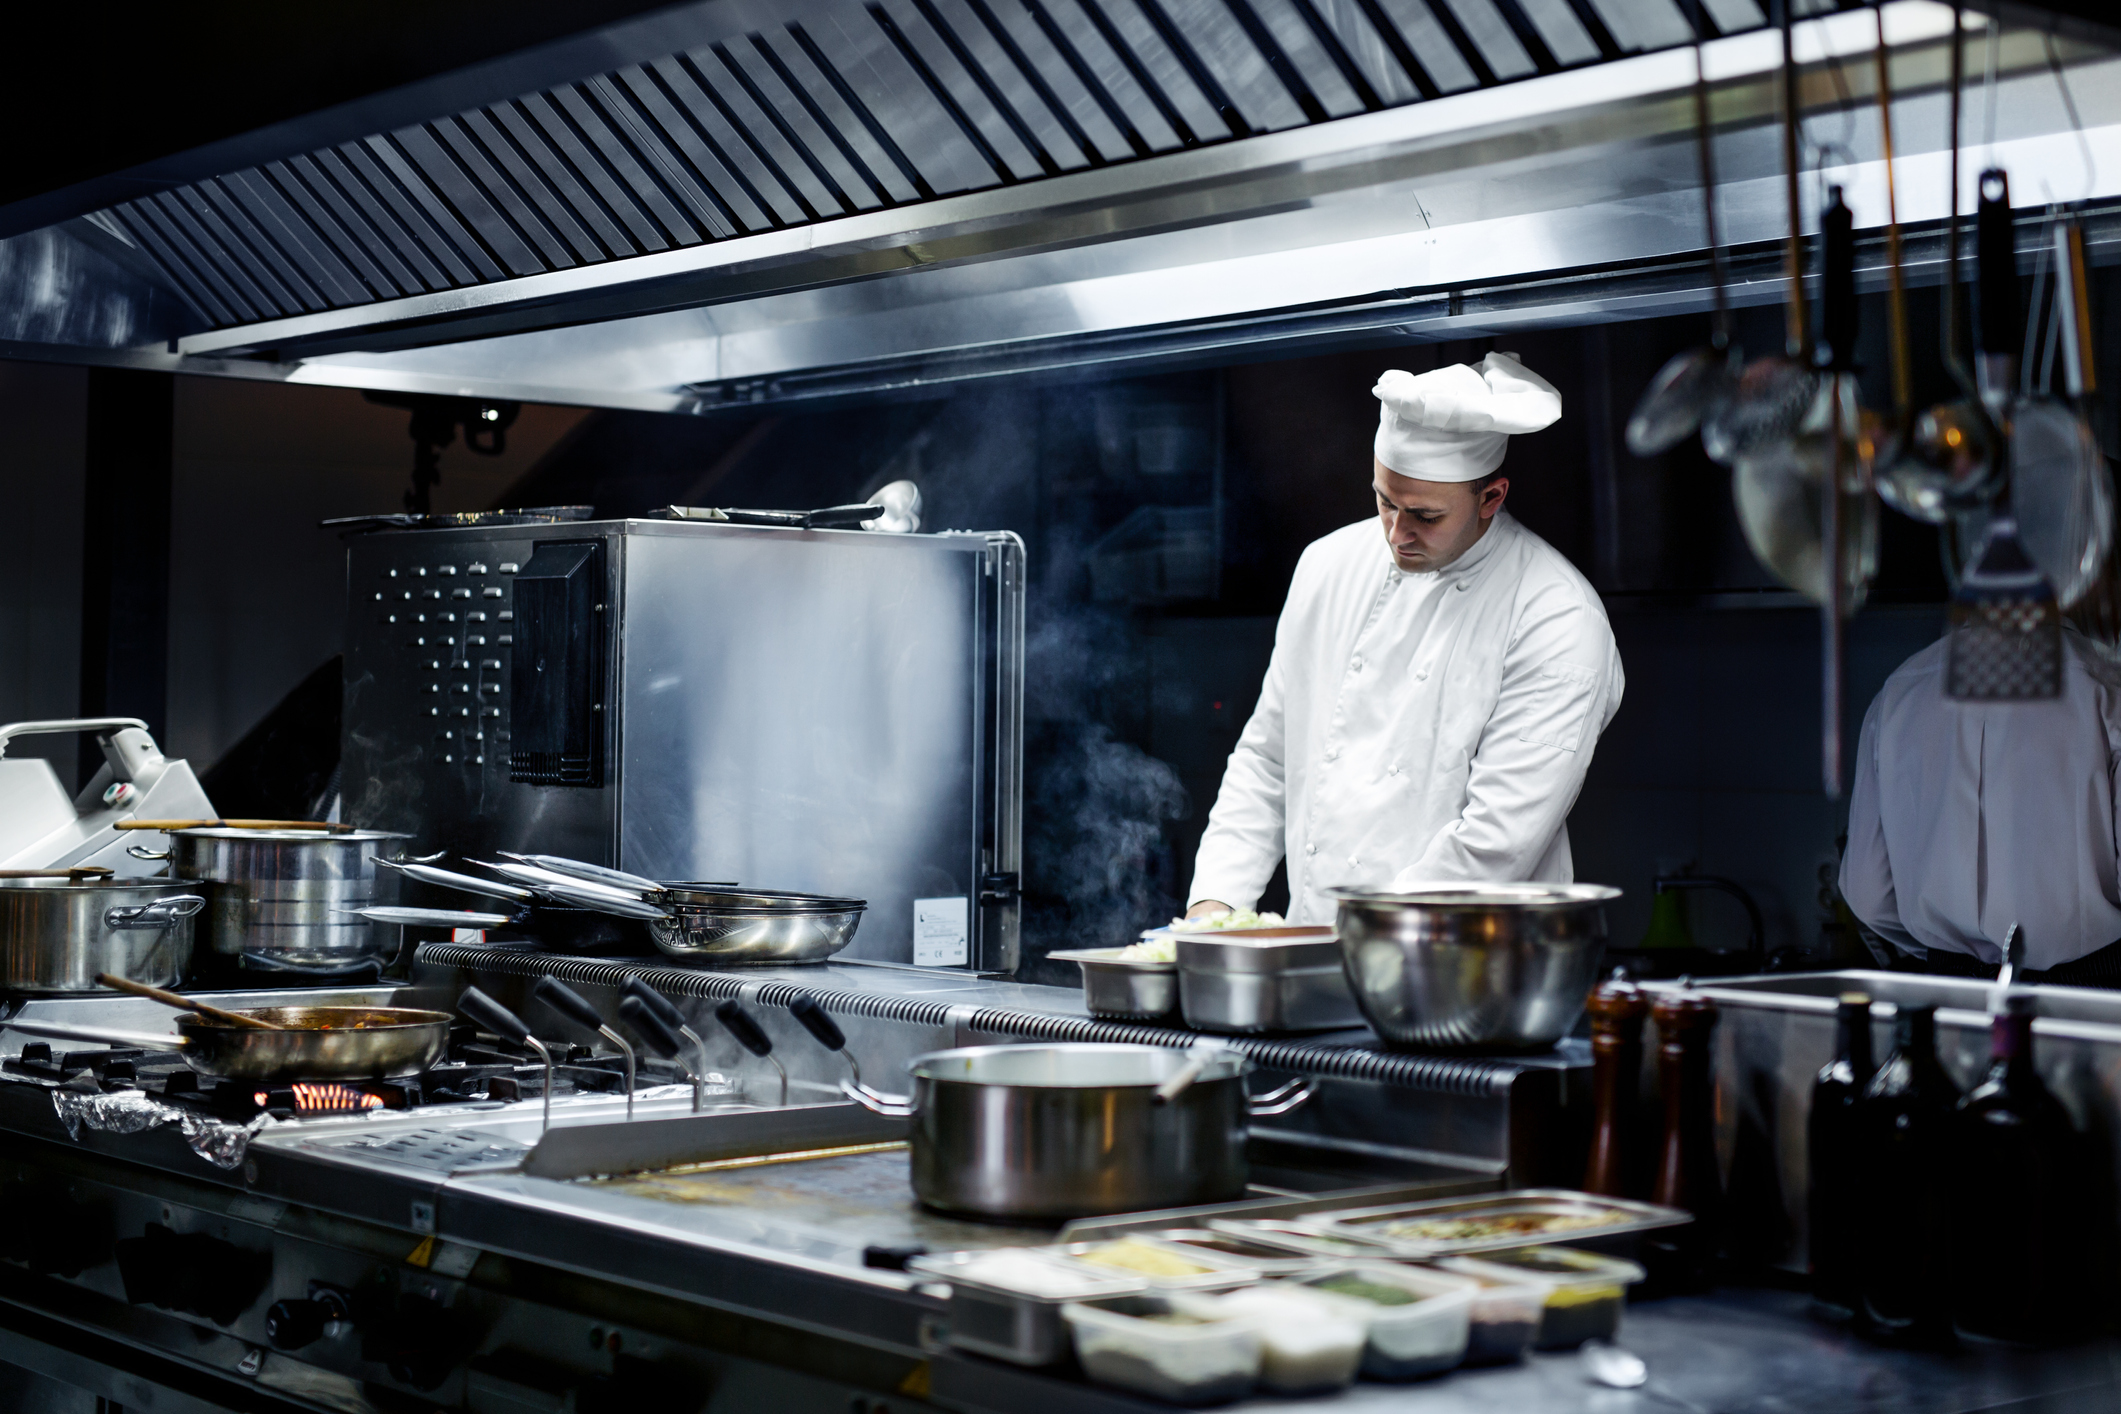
pixel 219 1142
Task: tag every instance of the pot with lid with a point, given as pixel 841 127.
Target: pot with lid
pixel 57 932
pixel 1067 1130
pixel 285 898
pixel 1473 967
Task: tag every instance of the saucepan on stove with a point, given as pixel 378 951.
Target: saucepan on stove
pixel 307 1042
pixel 60 927
pixel 1049 1132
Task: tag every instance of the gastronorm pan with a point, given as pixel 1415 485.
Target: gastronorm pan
pixel 1536 1216
pixel 1131 989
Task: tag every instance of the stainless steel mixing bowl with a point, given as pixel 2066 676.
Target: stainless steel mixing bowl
pixel 1473 967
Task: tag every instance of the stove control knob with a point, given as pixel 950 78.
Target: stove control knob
pixel 290 1325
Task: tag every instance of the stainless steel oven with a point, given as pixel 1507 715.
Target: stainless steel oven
pixel 827 711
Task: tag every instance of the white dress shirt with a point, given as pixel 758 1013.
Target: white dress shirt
pixel 1415 727
pixel 1967 817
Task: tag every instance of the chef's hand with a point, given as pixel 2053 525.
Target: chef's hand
pixel 1209 908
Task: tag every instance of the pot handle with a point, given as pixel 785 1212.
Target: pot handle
pixel 892 1106
pixel 141 851
pixel 1283 1099
pixel 162 913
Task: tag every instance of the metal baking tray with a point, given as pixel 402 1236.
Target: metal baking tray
pixel 1609 1217
pixel 1129 989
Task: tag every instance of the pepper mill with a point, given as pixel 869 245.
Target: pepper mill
pixel 1617 1009
pixel 1686 1175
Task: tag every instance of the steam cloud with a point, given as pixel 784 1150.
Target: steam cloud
pixel 1097 866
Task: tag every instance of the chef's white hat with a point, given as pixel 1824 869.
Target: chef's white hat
pixel 1453 424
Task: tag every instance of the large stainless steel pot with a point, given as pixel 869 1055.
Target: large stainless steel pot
pixel 1050 1132
pixel 57 934
pixel 1473 967
pixel 286 898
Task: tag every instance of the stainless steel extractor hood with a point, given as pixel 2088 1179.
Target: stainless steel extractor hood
pixel 746 201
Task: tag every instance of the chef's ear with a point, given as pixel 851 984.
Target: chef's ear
pixel 1492 490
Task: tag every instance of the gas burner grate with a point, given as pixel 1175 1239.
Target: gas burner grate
pixel 477 1072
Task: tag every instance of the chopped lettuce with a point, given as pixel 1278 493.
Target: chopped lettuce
pixel 1242 918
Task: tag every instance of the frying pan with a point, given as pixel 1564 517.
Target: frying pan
pixel 318 1042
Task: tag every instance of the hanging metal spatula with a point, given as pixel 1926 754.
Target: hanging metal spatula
pixel 2006 629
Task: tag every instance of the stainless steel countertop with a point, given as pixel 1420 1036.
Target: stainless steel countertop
pixel 786 1245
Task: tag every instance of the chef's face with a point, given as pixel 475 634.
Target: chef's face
pixel 1431 523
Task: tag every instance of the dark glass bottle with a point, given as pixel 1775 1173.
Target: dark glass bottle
pixel 1834 1170
pixel 1614 1167
pixel 2023 1235
pixel 1686 1174
pixel 1906 1119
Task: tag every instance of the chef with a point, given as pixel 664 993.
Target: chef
pixel 1967 817
pixel 1439 676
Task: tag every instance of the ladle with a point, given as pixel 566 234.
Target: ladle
pixel 1700 380
pixel 1775 394
pixel 1946 464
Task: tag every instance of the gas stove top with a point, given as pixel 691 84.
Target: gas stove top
pixel 473 1071
pixel 477 1073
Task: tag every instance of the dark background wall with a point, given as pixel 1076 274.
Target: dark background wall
pixel 1164 514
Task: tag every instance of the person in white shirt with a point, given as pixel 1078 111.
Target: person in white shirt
pixel 1968 817
pixel 1435 690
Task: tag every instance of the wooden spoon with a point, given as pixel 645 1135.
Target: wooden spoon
pixel 181 1003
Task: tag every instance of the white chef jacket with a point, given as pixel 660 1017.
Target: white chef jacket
pixel 1415 727
pixel 1967 817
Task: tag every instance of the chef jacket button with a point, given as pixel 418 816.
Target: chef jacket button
pixel 1332 753
pixel 1353 861
pixel 1310 849
pixel 1464 585
pixel 1357 664
pixel 1422 676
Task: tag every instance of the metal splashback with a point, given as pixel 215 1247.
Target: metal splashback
pixel 829 711
pixel 742 202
